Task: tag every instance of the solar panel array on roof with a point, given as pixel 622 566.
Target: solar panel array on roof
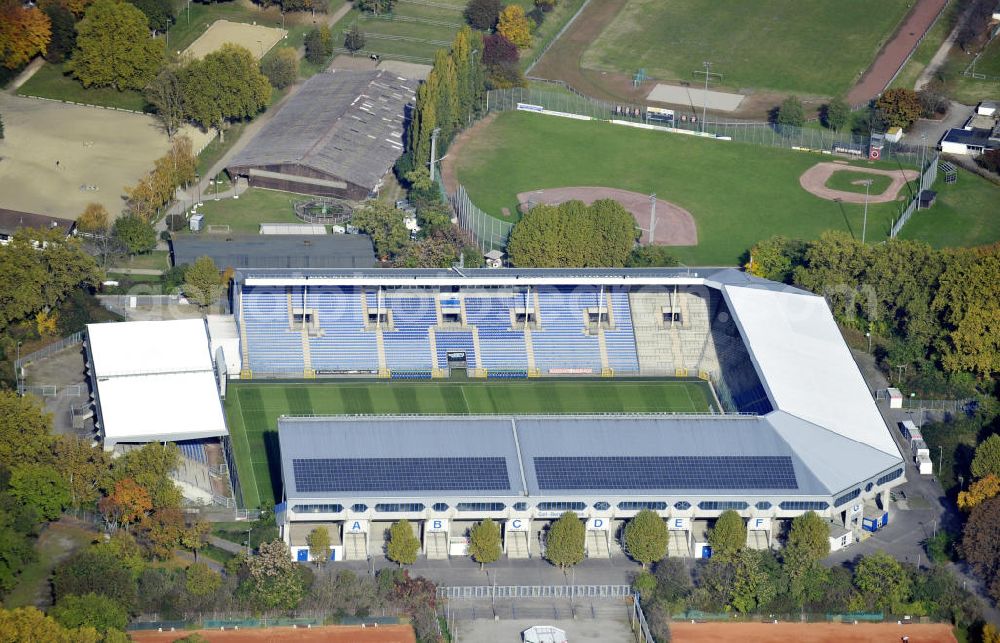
pixel 670 472
pixel 400 474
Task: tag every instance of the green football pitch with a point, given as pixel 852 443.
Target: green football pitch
pixel 252 409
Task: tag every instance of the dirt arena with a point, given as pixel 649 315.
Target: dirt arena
pixel 809 633
pixel 328 634
pixel 674 225
pixel 814 181
pixel 99 152
pixel 257 38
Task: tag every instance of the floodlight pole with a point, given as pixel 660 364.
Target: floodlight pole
pixel 434 140
pixel 864 224
pixel 652 218
pixel 704 109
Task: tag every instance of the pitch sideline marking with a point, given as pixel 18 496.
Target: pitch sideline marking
pixel 253 474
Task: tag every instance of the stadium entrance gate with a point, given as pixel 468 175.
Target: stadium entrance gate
pixel 457 364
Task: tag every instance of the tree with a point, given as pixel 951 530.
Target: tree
pixel 165 530
pixel 41 487
pixel 646 537
pixel 482 14
pixel 484 542
pixel 752 587
pixel 515 26
pixel 564 545
pixel 316 49
pixel 200 580
pixel 24 33
pixel 776 258
pixel 980 544
pixel 160 13
pixel 376 6
pixel 901 106
pixel 384 224
pixel 810 534
pixel 225 85
pixel 497 50
pixel 94 219
pixel 94 610
pixel 572 234
pixel 987 458
pixel 836 114
pixel 979 492
pixel 728 536
pixel 63 25
pixel 115 48
pixel 84 467
pixel 166 95
pixel 95 570
pixel 882 581
pixel 24 430
pixel 281 69
pixel 150 467
pixel 202 282
pixel 403 545
pixel 29 625
pixel 127 504
pixel 651 257
pixel 968 304
pixel 791 112
pixel 273 579
pixel 354 40
pixel 135 235
pixel 673 581
pixel 319 545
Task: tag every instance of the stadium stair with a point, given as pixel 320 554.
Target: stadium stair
pixel 517 544
pixel 307 370
pixel 597 544
pixel 677 545
pixel 355 547
pixel 602 344
pixel 653 343
pixel 436 545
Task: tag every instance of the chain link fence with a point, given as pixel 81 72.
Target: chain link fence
pixel 489 232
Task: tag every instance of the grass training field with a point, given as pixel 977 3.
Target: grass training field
pixel 254 207
pixel 252 409
pixel 738 193
pixel 965 214
pixel 814 48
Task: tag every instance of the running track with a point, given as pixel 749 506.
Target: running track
pixel 891 58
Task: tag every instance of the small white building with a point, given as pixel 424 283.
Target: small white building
pixel 924 465
pixel 544 634
pixel 840 537
pixel 895 398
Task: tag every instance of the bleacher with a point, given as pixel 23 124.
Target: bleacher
pixel 344 344
pixel 620 341
pixel 562 342
pixel 408 346
pixel 455 340
pixel 193 450
pixel 502 347
pixel 274 348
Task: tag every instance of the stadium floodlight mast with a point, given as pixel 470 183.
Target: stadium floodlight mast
pixel 434 140
pixel 652 218
pixel 864 224
pixel 708 74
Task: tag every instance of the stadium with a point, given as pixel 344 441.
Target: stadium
pixel 449 396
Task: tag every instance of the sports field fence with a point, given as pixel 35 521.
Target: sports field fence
pixel 744 131
pixel 927 178
pixel 489 232
pixel 55 347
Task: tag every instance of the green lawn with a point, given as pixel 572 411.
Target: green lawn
pixel 255 206
pixel 51 82
pixel 815 48
pixel 738 193
pixel 155 260
pixel 252 409
pixel 851 182
pixel 967 213
pixel 57 542
pixel 970 90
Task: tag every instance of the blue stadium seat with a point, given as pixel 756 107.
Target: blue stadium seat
pixel 344 344
pixel 502 347
pixel 562 342
pixel 408 347
pixel 620 341
pixel 455 340
pixel 273 347
pixel 193 450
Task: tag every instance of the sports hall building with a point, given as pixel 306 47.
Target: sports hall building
pixel 794 429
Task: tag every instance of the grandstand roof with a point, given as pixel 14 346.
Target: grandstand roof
pixel 574 455
pixel 343 123
pixel 154 381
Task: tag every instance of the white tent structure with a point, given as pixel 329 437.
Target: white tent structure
pixel 153 381
pixel 544 634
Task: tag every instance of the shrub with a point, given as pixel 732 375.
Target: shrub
pixel 281 69
pixel 482 14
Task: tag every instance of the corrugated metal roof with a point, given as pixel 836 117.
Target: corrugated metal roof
pixel 346 124
pixel 277 251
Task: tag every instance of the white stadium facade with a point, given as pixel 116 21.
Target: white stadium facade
pixel 798 428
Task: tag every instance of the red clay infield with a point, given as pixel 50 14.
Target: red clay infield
pixel 809 633
pixel 328 634
pixel 814 181
pixel 674 225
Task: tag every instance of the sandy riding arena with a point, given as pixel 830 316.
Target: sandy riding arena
pixel 56 158
pixel 814 181
pixel 257 38
pixel 674 225
pixel 329 634
pixel 811 632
